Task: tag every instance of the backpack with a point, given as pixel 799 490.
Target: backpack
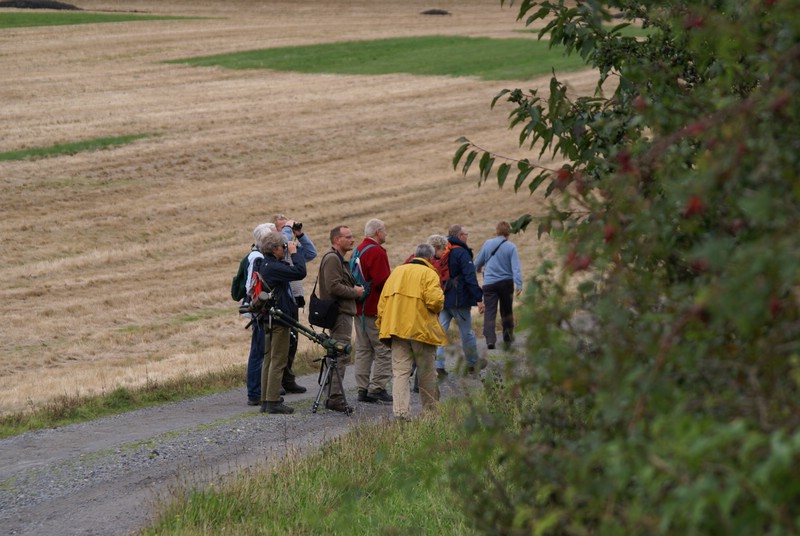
pixel 442 265
pixel 238 284
pixel 358 274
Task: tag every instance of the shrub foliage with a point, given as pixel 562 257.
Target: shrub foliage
pixel 663 349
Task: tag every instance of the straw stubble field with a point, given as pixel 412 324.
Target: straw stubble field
pixel 115 265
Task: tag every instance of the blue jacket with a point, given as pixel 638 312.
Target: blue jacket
pixel 277 274
pixel 462 290
pixel 504 265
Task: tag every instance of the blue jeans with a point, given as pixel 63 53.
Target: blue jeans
pixel 255 361
pixel 463 316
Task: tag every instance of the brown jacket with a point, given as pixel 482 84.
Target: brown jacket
pixel 336 282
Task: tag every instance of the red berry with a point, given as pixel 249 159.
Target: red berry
pixel 775 307
pixel 577 262
pixel 695 129
pixel 693 21
pixel 609 233
pixel 694 207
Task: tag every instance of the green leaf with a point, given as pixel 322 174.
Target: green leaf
pixel 502 174
pixel 485 166
pixel 468 162
pixel 459 153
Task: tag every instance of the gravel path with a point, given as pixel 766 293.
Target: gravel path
pixel 108 476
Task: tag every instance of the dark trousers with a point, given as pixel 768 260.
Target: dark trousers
pixel 255 361
pixel 501 292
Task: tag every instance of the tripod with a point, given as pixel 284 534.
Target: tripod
pixel 326 371
pixel 333 348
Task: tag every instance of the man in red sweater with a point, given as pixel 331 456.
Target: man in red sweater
pixel 373 359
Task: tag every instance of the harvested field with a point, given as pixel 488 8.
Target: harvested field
pixel 115 265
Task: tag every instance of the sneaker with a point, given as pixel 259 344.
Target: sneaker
pixel 338 404
pixel 276 408
pixel 380 395
pixel 294 388
pixel 441 374
pixel 364 396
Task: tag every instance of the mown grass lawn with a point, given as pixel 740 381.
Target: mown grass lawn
pixel 488 59
pixel 27 20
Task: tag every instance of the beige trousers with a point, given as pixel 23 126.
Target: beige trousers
pixel 373 358
pixel 404 353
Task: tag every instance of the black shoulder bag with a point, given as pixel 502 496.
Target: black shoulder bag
pixel 322 313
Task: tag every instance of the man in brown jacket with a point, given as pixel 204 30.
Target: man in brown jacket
pixel 336 283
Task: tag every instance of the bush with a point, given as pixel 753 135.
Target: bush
pixel 664 347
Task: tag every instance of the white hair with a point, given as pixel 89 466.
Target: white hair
pixel 261 230
pixel 373 226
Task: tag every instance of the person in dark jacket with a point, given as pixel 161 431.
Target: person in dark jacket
pixel 461 293
pixel 277 274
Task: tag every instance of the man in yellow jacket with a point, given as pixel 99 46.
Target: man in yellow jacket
pixel 408 321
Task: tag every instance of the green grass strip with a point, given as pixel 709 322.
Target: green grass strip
pixel 380 478
pixel 71 148
pixel 27 20
pixel 68 409
pixel 488 59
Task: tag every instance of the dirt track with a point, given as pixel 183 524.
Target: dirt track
pixel 110 476
pixel 115 265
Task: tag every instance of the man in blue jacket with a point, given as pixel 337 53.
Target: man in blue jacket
pixel 277 274
pixel 461 293
pixel 502 278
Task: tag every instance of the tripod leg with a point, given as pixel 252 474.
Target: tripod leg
pixel 341 385
pixel 325 379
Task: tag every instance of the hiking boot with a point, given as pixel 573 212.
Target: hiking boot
pixel 251 402
pixel 283 391
pixel 276 408
pixel 338 404
pixel 441 374
pixel 490 346
pixel 364 396
pixel 294 388
pixel 380 395
pixel 479 365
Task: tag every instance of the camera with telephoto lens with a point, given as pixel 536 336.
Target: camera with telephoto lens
pixel 258 305
pixel 297 226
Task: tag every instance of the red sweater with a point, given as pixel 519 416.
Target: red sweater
pixel 375 267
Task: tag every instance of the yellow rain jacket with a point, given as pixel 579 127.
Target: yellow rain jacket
pixel 410 303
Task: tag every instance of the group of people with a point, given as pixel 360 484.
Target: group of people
pixel 400 317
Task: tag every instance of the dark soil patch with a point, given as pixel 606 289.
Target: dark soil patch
pixel 38 4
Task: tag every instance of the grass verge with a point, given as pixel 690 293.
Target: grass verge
pixel 71 148
pixel 27 20
pixel 488 59
pixel 381 478
pixel 68 409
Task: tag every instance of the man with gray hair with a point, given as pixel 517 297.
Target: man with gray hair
pixel 373 359
pixel 462 293
pixel 408 311
pixel 256 357
pixel 277 274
